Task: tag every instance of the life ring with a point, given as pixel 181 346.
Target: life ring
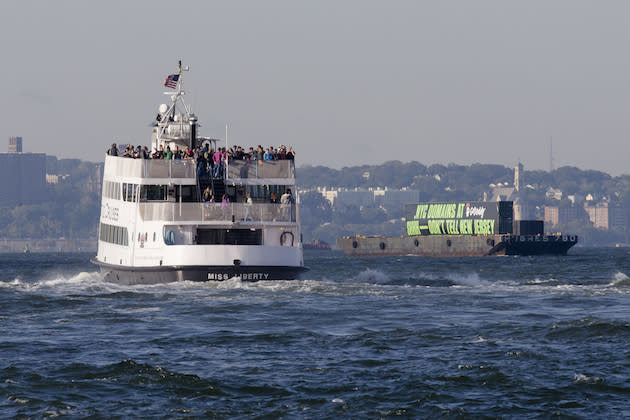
pixel 283 239
pixel 382 245
pixel 416 242
pixel 355 244
pixel 448 242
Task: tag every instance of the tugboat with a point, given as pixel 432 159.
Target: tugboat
pixel 194 219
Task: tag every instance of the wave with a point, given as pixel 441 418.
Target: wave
pixel 580 378
pixel 619 280
pixel 56 282
pixel 365 280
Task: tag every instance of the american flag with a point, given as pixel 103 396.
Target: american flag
pixel 171 81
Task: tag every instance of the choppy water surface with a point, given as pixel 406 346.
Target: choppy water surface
pixel 511 337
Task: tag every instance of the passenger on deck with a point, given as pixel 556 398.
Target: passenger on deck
pixel 248 207
pixel 128 151
pixel 217 158
pixel 188 153
pixel 224 202
pixel 201 163
pixel 145 153
pixel 286 202
pixel 113 151
pixel 207 195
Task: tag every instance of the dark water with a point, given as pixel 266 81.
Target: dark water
pixel 506 337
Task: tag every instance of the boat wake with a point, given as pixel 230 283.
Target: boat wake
pixel 620 280
pixel 365 281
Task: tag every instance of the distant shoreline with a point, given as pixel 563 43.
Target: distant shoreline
pixel 48 245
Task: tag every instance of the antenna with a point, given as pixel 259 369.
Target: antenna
pixel 550 154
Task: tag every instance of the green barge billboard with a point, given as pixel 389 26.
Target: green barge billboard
pixel 464 218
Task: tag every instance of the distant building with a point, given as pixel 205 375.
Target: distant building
pixel 361 197
pixel 15 144
pixel 522 210
pixel 606 217
pixel 554 193
pixel 24 178
pixel 396 197
pixel 555 215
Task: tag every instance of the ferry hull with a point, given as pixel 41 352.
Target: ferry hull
pixel 166 274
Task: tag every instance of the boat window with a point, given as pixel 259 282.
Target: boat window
pixel 229 237
pixel 113 234
pixel 188 193
pixel 264 192
pixel 153 193
pixel 111 190
pixel 129 192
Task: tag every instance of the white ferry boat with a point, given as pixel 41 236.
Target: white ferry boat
pixel 155 226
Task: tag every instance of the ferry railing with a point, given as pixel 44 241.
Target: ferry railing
pixel 260 169
pixel 186 168
pixel 152 168
pixel 208 212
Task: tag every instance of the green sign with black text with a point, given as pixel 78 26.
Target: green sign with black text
pixel 465 218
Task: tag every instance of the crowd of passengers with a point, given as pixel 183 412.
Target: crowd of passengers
pixel 204 152
pixel 209 161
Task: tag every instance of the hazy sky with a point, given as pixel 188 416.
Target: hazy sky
pixel 344 82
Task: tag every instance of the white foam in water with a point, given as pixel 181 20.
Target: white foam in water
pixel 579 378
pixel 468 280
pixel 620 279
pixel 57 283
pixel 372 276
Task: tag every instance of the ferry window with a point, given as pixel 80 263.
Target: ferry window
pixel 188 193
pixel 153 193
pixel 153 236
pixel 129 192
pixel 114 234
